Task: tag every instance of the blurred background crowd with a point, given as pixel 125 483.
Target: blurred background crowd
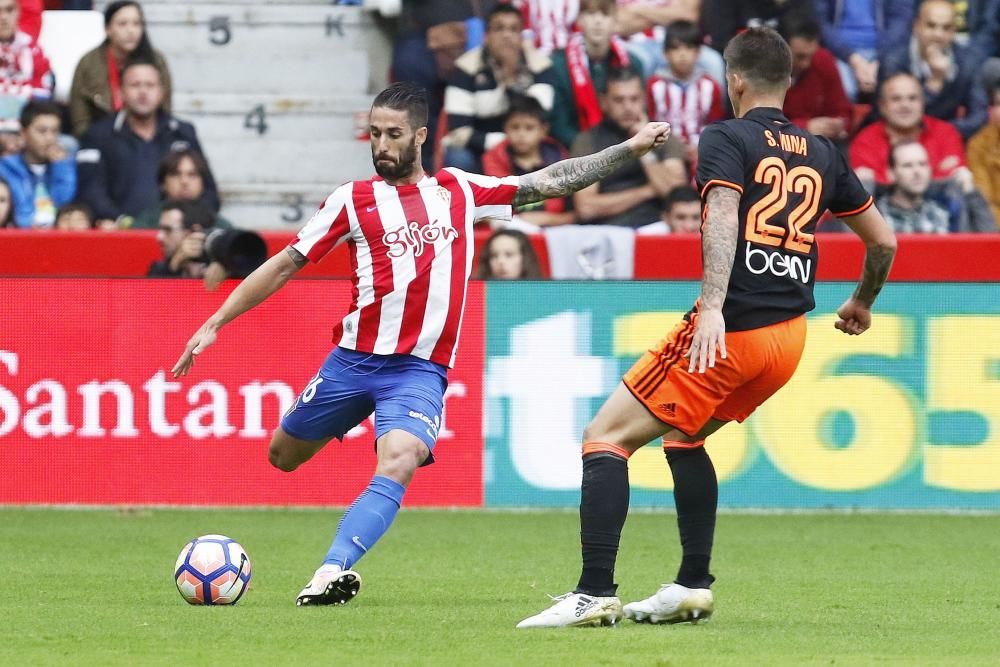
pixel 908 89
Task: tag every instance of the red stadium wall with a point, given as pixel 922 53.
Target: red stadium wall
pixel 921 258
pixel 90 414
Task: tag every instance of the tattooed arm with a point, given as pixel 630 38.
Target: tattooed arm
pixel 262 283
pixel 567 176
pixel 855 315
pixel 718 248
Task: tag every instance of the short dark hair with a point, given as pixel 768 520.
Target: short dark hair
pixel 35 108
pixel 898 75
pixel 136 62
pixel 502 9
pixel 74 207
pixel 525 105
pixel 192 213
pixel 761 56
pixel 807 29
pixel 603 6
pixel 408 97
pixel 621 75
pixel 171 163
pixel 680 195
pixel 682 33
pixel 902 144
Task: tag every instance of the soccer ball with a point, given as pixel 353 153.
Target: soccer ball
pixel 212 569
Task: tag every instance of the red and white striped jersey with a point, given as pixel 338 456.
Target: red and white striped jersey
pixel 411 250
pixel 688 107
pixel 549 23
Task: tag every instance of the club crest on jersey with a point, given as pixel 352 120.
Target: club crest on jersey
pixel 412 236
pixel 444 194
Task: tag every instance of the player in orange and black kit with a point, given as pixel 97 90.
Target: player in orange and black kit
pixel 765 183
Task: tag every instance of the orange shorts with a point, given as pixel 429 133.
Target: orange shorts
pixel 758 363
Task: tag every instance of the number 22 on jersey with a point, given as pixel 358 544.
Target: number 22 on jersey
pixel 801 180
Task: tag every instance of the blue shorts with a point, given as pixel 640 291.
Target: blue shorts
pixel 404 391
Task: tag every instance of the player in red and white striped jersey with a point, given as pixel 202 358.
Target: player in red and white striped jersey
pixel 410 239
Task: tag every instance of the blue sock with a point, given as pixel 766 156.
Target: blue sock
pixel 365 521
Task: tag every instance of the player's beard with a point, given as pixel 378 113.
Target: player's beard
pixel 400 169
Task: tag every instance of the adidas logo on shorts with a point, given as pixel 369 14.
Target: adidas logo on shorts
pixel 669 408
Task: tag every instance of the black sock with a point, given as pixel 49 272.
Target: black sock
pixel 696 495
pixel 603 508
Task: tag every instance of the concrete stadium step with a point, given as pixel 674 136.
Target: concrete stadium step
pixel 233 48
pixel 243 161
pixel 273 206
pixel 253 116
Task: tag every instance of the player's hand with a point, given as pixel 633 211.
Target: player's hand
pixel 204 337
pixel 855 317
pixel 709 334
pixel 652 135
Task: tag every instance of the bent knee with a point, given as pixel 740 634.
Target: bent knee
pixel 402 457
pixel 281 460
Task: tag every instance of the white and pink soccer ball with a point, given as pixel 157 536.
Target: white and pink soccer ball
pixel 212 569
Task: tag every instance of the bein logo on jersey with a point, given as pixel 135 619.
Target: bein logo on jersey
pixel 778 264
pixel 412 236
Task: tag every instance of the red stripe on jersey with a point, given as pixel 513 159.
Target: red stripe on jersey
pixel 382 282
pixel 339 227
pixel 352 251
pixel 418 289
pixel 459 281
pixel 502 195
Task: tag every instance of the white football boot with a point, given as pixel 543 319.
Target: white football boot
pixel 673 603
pixel 330 585
pixel 577 609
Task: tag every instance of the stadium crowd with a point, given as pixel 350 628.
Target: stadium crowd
pixel 908 89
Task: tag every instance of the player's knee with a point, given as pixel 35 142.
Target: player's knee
pixel 281 460
pixel 400 459
pixel 592 432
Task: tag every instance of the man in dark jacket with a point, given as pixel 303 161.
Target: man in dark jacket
pixel 946 71
pixel 119 155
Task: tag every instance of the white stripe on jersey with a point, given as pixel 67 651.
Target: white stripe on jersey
pixel 471 215
pixel 404 269
pixel 439 286
pixel 364 276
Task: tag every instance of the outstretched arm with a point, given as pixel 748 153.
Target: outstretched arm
pixel 568 176
pixel 880 248
pixel 718 247
pixel 262 283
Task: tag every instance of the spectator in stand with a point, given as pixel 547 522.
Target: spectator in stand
pixel 508 255
pixel 978 27
pixel 24 70
pixel 120 155
pixel 682 95
pixel 681 213
pixel 901 107
pixel 182 175
pixel 946 70
pixel 858 33
pixel 431 36
pixel 42 177
pixel 476 97
pixel 6 205
pixel 581 70
pixel 906 206
pixel 181 235
pixel 984 156
pixel 526 149
pixel 74 217
pixel 816 100
pixel 631 196
pixel 723 19
pixel 97 83
pixel 910 207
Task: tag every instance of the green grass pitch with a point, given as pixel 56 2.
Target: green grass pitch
pixel 95 587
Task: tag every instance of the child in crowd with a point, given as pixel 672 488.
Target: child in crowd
pixel 42 177
pixel 528 148
pixel 75 217
pixel 508 255
pixel 683 95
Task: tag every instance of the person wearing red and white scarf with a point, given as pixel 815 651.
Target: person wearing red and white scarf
pixel 581 70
